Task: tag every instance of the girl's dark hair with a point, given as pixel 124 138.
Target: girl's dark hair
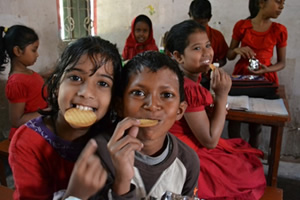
pixel 91 46
pixel 17 35
pixel 200 9
pixel 154 61
pixel 177 38
pixel 253 7
pixel 143 18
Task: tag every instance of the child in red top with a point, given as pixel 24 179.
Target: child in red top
pixel 140 38
pixel 229 169
pixel 200 11
pixel 257 37
pixel 24 86
pixel 43 152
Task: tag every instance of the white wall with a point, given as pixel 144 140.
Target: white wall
pixel 114 19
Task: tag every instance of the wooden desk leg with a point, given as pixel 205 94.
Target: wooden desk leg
pixel 2 173
pixel 273 159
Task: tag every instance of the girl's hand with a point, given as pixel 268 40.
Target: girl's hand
pixel 122 147
pixel 263 69
pixel 220 82
pixel 245 52
pixel 88 175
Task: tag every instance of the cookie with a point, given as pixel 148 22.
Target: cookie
pixel 80 118
pixel 147 122
pixel 212 67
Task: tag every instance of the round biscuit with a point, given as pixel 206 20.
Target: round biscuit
pixel 80 118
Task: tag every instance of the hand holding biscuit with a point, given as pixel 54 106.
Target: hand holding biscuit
pixel 122 147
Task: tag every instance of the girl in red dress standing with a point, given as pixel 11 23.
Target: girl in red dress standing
pixel 140 38
pixel 229 169
pixel 257 37
pixel 24 86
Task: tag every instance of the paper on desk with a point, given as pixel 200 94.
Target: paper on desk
pixel 267 106
pixel 257 105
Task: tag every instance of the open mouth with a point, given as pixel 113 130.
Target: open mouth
pixel 82 107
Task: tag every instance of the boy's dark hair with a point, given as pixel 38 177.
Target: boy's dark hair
pixel 154 61
pixel 200 9
pixel 143 18
pixel 90 46
pixel 177 38
pixel 17 35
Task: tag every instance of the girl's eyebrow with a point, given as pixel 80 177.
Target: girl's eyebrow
pixel 106 76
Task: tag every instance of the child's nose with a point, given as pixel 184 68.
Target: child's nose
pixel 152 103
pixel 86 90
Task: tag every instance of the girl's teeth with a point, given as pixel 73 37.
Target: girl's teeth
pixel 80 107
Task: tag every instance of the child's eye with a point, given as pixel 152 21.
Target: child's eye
pixel 167 95
pixel 208 45
pixel 103 84
pixel 197 48
pixel 138 93
pixel 74 78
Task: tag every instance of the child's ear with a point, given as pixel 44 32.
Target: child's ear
pixel 17 51
pixel 178 57
pixel 181 110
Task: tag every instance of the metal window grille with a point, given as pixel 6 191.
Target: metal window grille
pixel 76 19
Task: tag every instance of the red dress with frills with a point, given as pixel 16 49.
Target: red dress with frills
pixel 232 170
pixel 262 43
pixel 25 88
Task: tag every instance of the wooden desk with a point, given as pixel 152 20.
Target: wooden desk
pixel 6 193
pixel 277 123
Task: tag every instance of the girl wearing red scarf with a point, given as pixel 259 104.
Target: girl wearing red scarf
pixel 140 38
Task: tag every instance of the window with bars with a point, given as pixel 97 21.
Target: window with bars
pixel 76 18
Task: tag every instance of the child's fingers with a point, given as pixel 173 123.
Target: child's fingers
pixel 88 150
pixel 128 140
pixel 122 127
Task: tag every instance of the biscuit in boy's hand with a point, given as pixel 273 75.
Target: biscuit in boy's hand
pixel 80 118
pixel 212 67
pixel 147 122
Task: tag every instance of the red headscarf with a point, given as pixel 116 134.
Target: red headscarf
pixel 132 47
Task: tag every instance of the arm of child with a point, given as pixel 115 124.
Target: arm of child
pixel 281 57
pixel 88 175
pixel 234 50
pixel 17 116
pixel 208 131
pixel 122 148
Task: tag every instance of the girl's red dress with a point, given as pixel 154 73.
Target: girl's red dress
pixel 132 47
pixel 262 43
pixel 25 88
pixel 232 170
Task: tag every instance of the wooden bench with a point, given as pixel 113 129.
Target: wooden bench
pixel 272 193
pixel 4 145
pixel 6 193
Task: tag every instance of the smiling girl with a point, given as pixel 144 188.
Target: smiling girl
pixel 140 39
pixel 43 152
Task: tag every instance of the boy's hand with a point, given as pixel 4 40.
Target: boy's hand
pixel 122 148
pixel 220 82
pixel 88 175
